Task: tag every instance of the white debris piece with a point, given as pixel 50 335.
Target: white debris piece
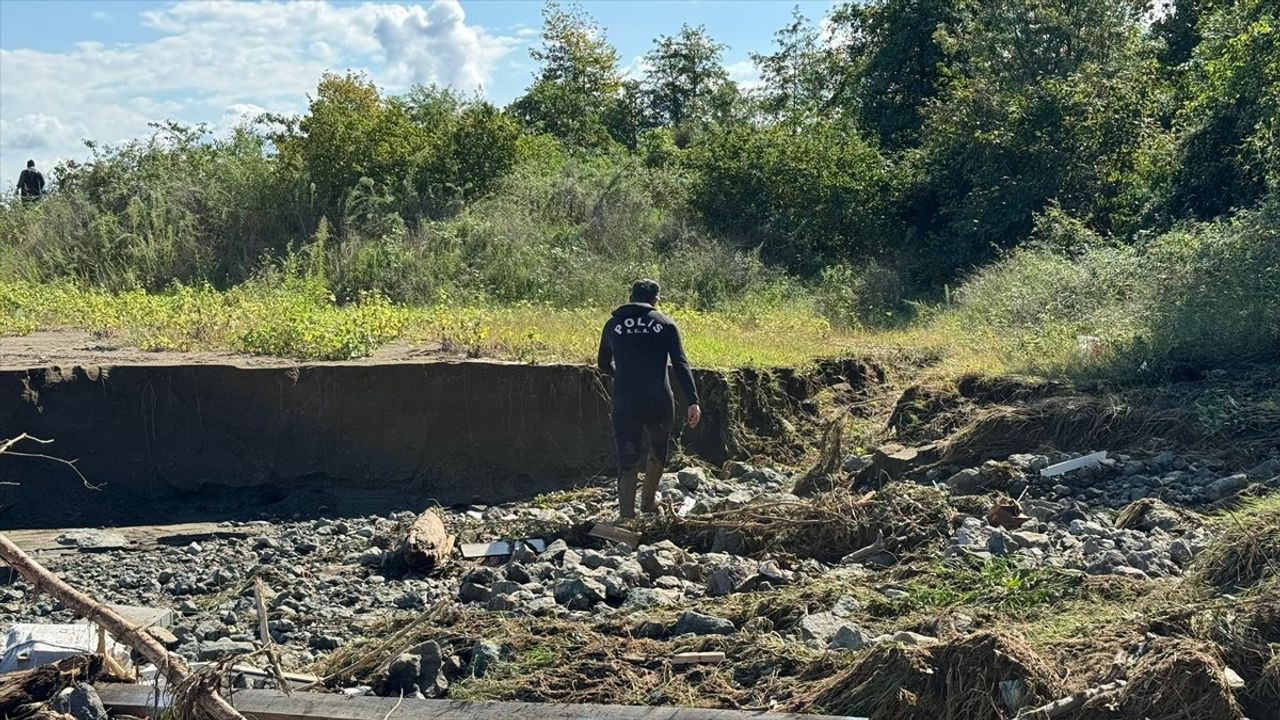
pixel 1074 464
pixel 28 645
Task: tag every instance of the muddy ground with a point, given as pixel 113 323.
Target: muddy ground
pixel 941 576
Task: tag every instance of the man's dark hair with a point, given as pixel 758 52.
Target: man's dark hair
pixel 644 291
pixel 31 163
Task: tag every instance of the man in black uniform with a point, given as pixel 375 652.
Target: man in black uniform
pixel 30 182
pixel 634 348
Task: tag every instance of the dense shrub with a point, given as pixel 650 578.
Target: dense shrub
pixel 1202 294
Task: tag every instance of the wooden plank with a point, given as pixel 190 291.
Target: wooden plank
pixel 697 658
pixel 142 537
pixel 613 533
pixel 1074 464
pixel 501 547
pixel 139 700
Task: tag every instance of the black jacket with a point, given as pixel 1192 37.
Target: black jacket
pixel 30 183
pixel 634 348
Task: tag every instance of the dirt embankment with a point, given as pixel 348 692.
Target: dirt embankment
pixel 222 440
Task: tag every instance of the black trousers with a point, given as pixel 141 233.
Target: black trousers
pixel 631 425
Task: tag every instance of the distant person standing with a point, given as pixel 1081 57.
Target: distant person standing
pixel 31 183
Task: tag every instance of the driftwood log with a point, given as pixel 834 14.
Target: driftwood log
pixel 24 692
pixel 173 667
pixel 428 545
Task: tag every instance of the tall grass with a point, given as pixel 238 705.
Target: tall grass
pixel 1201 295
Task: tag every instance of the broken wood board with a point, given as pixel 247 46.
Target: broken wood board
pixel 140 700
pixel 1074 464
pixel 613 533
pixel 697 658
pixel 140 537
pixel 500 547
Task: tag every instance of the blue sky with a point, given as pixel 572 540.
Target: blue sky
pixel 103 70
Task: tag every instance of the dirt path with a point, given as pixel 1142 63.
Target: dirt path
pixel 77 347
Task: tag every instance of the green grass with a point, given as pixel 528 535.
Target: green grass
pixel 1205 295
pixel 297 319
pixel 998 583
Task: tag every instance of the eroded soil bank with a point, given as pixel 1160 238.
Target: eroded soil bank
pixel 218 441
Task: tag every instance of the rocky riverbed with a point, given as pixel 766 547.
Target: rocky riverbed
pixel 333 583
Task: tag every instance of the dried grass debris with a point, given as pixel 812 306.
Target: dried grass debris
pixel 1177 679
pixel 826 527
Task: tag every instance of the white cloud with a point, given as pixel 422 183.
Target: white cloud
pixel 745 73
pixel 37 131
pixel 213 59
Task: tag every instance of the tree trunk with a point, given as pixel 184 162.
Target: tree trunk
pixel 428 545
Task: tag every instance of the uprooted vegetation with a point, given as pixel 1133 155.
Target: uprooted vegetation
pixel 826 527
pixel 1247 552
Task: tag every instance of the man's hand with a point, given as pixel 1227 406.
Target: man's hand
pixel 695 415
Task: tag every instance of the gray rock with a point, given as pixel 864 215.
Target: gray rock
pixel 483 656
pixel 657 562
pixel 372 557
pixel 470 592
pixel 481 575
pixel 407 600
pixel 93 539
pixel 855 463
pixel 223 648
pixel 431 679
pixel 728 541
pixel 505 587
pixel 998 544
pixel 846 606
pixel 83 703
pixel 696 623
pixel 579 593
pixel 725 580
pixel 767 476
pixel 849 637
pixel 593 559
pixel 615 588
pixel 821 627
pixel 1180 551
pixel 907 637
pixel 1225 487
pixel 691 478
pixel 1265 470
pixel 640 598
pixel 324 642
pixel 1163 462
pixel 1025 539
pixel 649 629
pixel 517 573
pixel 966 482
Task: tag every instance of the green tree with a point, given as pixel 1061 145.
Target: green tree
pixel 890 62
pixel 797 74
pixel 683 74
pixel 1226 150
pixel 349 132
pixel 626 117
pixel 1051 103
pixel 474 150
pixel 577 79
pixel 805 199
